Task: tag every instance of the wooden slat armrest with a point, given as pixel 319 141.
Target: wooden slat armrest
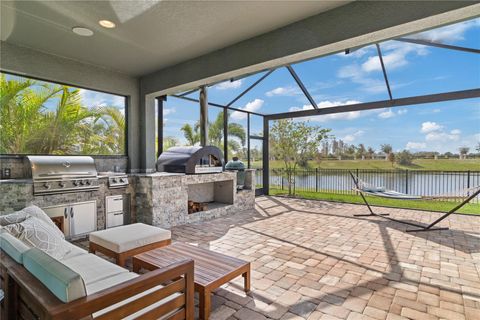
pixel 90 304
pixel 46 306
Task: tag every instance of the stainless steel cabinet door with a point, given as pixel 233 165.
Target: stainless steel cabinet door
pixel 83 218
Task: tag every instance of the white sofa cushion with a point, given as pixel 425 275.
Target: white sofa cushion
pixel 37 212
pixel 124 238
pixel 37 233
pixel 66 284
pixel 73 251
pixel 93 268
pixel 109 282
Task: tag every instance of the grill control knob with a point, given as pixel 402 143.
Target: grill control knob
pixel 88 182
pixel 122 180
pixel 46 185
pixel 75 183
pixel 114 180
pixel 82 183
pixel 61 184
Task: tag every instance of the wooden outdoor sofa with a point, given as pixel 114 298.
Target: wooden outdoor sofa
pixel 27 298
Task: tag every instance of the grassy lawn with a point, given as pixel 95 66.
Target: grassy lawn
pixel 442 206
pixel 419 164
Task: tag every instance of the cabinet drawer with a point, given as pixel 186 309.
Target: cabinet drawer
pixel 114 204
pixel 114 219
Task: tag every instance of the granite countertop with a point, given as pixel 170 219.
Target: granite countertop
pixel 157 174
pixel 16 181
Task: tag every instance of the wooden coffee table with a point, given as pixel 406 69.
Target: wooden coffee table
pixel 212 269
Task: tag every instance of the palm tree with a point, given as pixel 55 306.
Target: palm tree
pixel 236 134
pixel 29 124
pixel 191 134
pixel 21 109
pixel 387 149
pixel 61 127
pixel 371 152
pixel 114 124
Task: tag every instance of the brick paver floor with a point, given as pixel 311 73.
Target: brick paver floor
pixel 314 260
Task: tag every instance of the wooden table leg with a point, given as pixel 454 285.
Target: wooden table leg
pixel 246 281
pixel 205 304
pixel 120 259
pixel 135 265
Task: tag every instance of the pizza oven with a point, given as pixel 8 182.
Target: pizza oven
pixel 191 160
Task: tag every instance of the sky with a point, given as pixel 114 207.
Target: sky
pixel 341 79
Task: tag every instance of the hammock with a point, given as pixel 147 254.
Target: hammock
pixel 366 188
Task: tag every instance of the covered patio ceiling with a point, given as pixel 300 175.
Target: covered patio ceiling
pixel 149 35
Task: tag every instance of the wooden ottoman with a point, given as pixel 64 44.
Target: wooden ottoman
pixel 126 241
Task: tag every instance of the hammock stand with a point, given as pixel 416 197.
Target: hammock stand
pixel 403 196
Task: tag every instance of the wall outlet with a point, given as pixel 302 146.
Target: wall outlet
pixel 6 173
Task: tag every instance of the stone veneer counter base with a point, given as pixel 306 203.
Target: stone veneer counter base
pixel 162 198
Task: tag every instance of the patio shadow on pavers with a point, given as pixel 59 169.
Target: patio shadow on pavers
pixel 469 244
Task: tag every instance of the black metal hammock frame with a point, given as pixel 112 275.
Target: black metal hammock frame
pixel 430 227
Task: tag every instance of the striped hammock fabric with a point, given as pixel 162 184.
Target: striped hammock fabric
pixel 372 190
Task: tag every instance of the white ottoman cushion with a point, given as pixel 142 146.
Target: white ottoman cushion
pixel 124 238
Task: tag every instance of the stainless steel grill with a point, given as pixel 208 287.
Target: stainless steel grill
pixel 61 174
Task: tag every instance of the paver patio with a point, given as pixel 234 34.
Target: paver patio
pixel 314 260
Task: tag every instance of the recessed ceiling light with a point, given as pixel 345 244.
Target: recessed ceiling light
pixel 81 31
pixel 107 24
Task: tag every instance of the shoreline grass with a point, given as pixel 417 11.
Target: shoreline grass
pixel 418 164
pixel 426 205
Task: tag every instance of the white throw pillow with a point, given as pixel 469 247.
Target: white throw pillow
pixel 37 233
pixel 37 212
pixel 15 217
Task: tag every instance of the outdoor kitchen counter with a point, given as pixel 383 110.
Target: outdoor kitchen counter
pixel 162 198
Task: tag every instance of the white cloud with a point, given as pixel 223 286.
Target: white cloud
pixel 167 111
pixel 394 56
pixel 355 74
pixel 92 99
pixel 415 145
pixel 349 138
pixel 387 114
pixel 252 106
pixel 390 113
pixel 229 85
pixel 441 136
pixel 441 139
pixel 335 116
pixel 435 132
pixel 283 91
pixel 451 33
pixel 430 126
